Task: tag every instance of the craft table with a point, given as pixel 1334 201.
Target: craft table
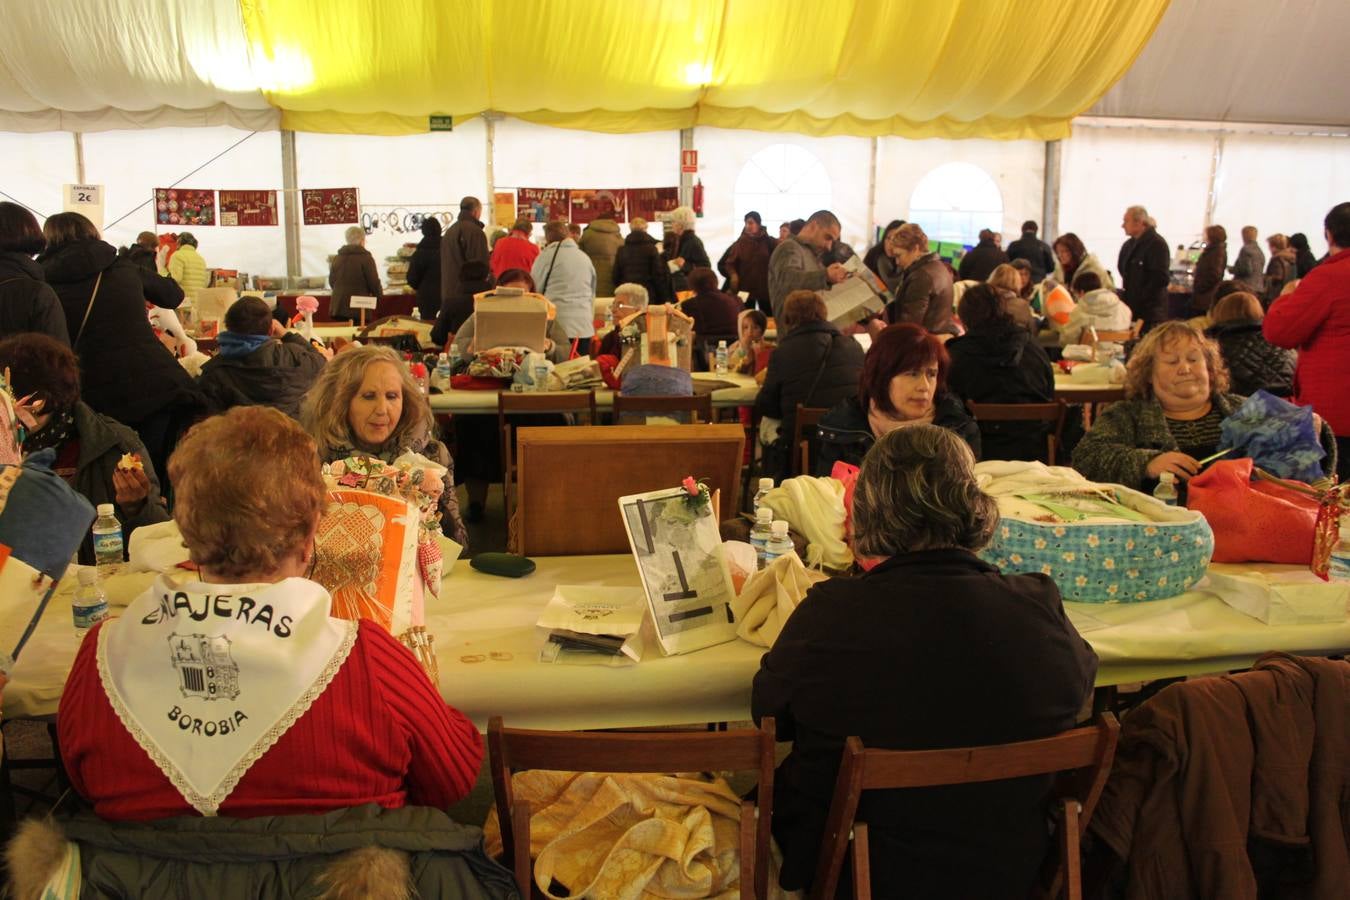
pixel 480 615
pixel 485 402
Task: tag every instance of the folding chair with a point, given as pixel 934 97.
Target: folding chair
pixel 1051 413
pixel 803 429
pixel 1080 757
pixel 513 749
pixel 510 403
pixel 695 410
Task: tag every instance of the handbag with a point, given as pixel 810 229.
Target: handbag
pixel 1253 521
pixel 87 310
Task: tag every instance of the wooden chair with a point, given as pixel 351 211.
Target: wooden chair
pixel 510 403
pixel 1081 758
pixel 513 749
pixel 1051 413
pixel 803 429
pixel 697 409
pixel 1120 337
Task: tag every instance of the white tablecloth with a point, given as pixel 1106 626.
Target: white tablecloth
pixel 478 615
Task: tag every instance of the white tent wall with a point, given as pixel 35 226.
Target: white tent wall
pixel 1280 183
pixel 36 167
pixel 397 176
pixel 131 164
pixel 1106 170
pixel 1017 168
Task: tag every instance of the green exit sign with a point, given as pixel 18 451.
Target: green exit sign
pixel 442 123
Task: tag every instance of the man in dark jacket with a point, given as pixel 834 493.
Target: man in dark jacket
pixel 1145 267
pixel 1034 250
pixel 424 269
pixel 462 242
pixel 253 367
pixel 796 263
pixel 638 261
pixel 27 302
pixel 984 257
pixel 746 263
pixel 474 278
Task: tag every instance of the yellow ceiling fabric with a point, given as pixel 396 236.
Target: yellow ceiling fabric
pixel 1005 69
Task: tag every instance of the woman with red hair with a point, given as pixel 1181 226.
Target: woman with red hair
pixel 904 382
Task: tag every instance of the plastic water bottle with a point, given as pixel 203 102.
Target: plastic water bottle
pixel 1340 555
pixel 107 541
pixel 540 377
pixel 90 604
pixel 779 544
pixel 442 379
pixel 760 533
pixel 1166 491
pixel 765 485
pixel 419 375
pixel 721 358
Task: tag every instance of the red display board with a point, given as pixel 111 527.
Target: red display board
pixel 331 206
pixel 248 208
pixel 649 203
pixel 543 204
pixel 185 206
pixel 588 205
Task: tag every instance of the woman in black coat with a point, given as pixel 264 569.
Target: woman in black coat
pixel 27 302
pixel 424 269
pixel 814 365
pixel 931 648
pixel 125 372
pixel 683 248
pixel 998 361
pixel 1253 362
pixel 1209 269
pixel 639 261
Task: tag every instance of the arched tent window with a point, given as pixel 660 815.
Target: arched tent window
pixel 954 201
pixel 782 182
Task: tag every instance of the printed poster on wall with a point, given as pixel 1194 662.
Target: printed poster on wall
pixel 248 207
pixel 589 205
pixel 649 203
pixel 185 206
pixel 331 206
pixel 504 208
pixel 542 204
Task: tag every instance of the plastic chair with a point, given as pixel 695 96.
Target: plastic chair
pixel 1052 413
pixel 1080 757
pixel 513 749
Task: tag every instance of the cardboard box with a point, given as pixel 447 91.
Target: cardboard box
pixel 510 320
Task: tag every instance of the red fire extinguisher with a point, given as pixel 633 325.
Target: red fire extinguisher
pixel 698 198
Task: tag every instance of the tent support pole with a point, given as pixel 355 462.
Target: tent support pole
pixel 1054 156
pixel 290 182
pixel 872 193
pixel 79 157
pixel 490 201
pixel 686 178
pixel 1212 195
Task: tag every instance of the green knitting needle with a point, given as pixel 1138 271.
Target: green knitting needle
pixel 1209 459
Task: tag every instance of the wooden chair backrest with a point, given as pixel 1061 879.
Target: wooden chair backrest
pixel 514 749
pixel 510 403
pixel 803 428
pixel 698 407
pixel 1051 413
pixel 1080 757
pixel 570 479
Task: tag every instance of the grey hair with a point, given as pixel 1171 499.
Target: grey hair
pixel 355 235
pixel 1137 213
pixel 684 217
pixel 917 491
pixel 636 294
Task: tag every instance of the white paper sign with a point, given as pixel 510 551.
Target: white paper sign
pixel 85 199
pixel 364 302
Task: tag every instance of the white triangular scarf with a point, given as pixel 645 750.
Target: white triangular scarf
pixel 207 677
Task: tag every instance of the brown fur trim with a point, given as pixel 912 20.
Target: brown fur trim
pixel 33 856
pixel 371 873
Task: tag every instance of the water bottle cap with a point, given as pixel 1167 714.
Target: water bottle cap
pixel 721 345
pixel 780 528
pixel 763 516
pixel 766 484
pixel 1167 477
pixel 88 575
pixel 106 509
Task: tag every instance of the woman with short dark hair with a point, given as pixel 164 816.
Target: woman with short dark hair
pixel 899 657
pixel 27 302
pixel 1253 362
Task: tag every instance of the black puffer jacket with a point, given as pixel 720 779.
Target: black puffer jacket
pixel 638 261
pixel 811 354
pixel 125 372
pixel 27 302
pixel 277 374
pixel 845 434
pixel 1254 363
pixel 1003 365
pixel 689 247
pixel 424 276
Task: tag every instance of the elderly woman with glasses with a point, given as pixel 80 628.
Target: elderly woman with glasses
pixel 930 648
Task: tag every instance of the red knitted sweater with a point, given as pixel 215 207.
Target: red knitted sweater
pixel 379 734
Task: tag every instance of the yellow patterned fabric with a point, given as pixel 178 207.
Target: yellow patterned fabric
pixel 951 69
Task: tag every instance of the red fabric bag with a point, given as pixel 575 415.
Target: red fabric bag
pixel 1253 521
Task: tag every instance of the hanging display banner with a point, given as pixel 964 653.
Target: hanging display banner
pixel 331 206
pixel 185 206
pixel 542 204
pixel 248 207
pixel 589 205
pixel 649 203
pixel 504 208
